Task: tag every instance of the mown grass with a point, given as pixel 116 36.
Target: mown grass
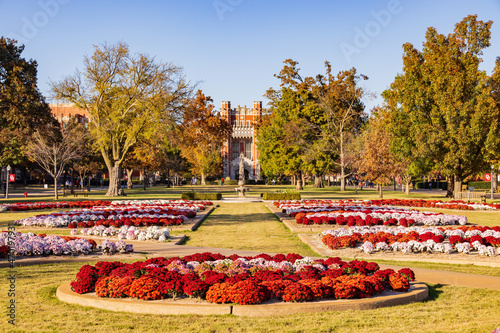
pixel 246 226
pixel 449 309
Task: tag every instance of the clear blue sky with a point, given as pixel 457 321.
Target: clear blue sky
pixel 234 47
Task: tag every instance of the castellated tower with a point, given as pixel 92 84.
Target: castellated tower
pixel 242 140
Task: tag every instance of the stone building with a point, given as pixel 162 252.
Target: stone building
pixel 242 140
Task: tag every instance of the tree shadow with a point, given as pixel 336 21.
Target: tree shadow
pixel 434 291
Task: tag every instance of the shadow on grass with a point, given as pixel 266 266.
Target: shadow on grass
pixel 434 291
pixel 185 240
pixel 232 218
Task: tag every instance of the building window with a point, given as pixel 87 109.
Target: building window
pixel 235 152
pixel 248 149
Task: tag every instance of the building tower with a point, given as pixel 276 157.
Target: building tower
pixel 242 140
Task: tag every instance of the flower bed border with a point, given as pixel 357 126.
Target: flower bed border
pixel 417 293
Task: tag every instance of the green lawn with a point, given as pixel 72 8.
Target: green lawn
pixel 250 227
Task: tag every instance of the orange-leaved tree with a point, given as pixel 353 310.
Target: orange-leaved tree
pixel 201 135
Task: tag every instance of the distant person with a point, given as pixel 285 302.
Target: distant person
pixel 222 181
pixel 274 182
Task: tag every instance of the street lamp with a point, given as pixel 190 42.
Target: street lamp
pixel 7 183
pixel 491 179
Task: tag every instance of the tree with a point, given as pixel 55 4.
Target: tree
pixel 22 107
pixel 375 158
pixel 288 136
pixel 127 97
pixel 340 98
pixel 201 135
pixel 452 118
pixel 54 149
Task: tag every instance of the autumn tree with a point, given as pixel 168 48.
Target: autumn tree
pixel 127 97
pixel 451 116
pixel 23 109
pixel 54 149
pixel 200 136
pixel 339 96
pixel 375 158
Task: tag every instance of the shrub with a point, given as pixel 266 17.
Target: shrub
pixel 480 185
pixel 280 196
pixel 145 288
pixel 201 196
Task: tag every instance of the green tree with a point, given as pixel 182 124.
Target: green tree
pixel 23 109
pixel 128 97
pixel 451 116
pixel 201 135
pixel 287 137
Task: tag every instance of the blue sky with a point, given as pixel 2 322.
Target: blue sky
pixel 234 47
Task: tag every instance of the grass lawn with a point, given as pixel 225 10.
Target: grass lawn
pixel 449 309
pixel 249 227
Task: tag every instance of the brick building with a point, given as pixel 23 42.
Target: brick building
pixel 242 140
pixel 63 112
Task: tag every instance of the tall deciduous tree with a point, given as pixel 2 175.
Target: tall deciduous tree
pixel 201 135
pixel 340 98
pixel 452 118
pixel 375 158
pixel 22 107
pixel 127 97
pixel 54 149
pixel 287 138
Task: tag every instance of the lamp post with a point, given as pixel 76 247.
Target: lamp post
pixel 7 183
pixel 492 166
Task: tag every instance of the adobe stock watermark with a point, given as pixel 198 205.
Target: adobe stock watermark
pixel 223 6
pixel 364 35
pixel 11 276
pixel 31 25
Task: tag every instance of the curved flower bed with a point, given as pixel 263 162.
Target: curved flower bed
pixel 240 280
pixel 127 232
pixel 310 205
pixel 359 213
pixel 485 240
pixel 18 206
pixel 26 244
pixel 378 216
pixel 163 213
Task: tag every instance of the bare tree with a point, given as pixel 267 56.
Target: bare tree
pixel 54 149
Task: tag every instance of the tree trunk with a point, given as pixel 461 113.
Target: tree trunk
pixel 203 179
pixel 56 193
pixel 115 189
pixel 88 182
pixel 298 185
pixel 130 184
pixel 318 181
pixel 457 187
pixel 450 187
pixel 380 194
pixel 395 187
pixel 342 179
pixel 328 181
pixel 407 181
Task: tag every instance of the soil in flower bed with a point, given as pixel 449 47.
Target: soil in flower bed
pixel 240 280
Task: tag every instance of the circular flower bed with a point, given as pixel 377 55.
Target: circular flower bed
pixel 485 240
pixel 240 280
pixel 26 244
pixel 162 213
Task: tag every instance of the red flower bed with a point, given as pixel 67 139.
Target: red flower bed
pixel 55 205
pixel 158 278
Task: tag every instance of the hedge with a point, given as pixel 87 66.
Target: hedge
pixel 480 185
pixel 443 185
pixel 280 196
pixel 201 196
